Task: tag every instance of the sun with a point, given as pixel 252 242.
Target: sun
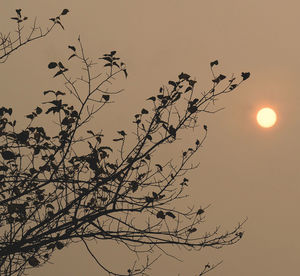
pixel 266 117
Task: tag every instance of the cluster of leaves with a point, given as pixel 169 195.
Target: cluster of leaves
pixel 53 194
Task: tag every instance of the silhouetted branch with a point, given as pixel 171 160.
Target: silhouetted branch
pixel 68 187
pixel 9 43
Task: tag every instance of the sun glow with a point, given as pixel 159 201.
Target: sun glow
pixel 266 117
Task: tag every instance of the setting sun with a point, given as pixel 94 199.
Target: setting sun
pixel 266 117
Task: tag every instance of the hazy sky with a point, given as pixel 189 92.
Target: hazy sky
pixel 245 171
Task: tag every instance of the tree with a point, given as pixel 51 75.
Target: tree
pixel 70 186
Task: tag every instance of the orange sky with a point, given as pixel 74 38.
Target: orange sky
pixel 245 170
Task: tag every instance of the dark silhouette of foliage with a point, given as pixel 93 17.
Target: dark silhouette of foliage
pixel 10 43
pixel 70 186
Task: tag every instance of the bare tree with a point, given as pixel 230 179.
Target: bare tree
pixel 71 186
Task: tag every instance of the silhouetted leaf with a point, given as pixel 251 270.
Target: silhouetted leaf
pixel 59 245
pixel 15 18
pixel 192 109
pixel 192 230
pixel 170 214
pixel 72 48
pixel 118 139
pixel 144 111
pixel 64 12
pixel 8 155
pixel 205 127
pixel 58 93
pixel 134 186
pixel 18 11
pixel 33 261
pixel 160 214
pixel 112 53
pixel 245 75
pixel 23 136
pixel 173 83
pixel 159 167
pixel 200 211
pixel 38 110
pixel 214 63
pixel 192 82
pixel 74 55
pixel 172 131
pixel 52 65
pixel 184 76
pixel 58 22
pixel 152 98
pixel 148 199
pixel 125 72
pixel 61 65
pixel 48 91
pixel 58 73
pixel 122 132
pixel 106 97
pixel 233 86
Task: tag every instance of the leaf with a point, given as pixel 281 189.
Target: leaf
pixel 8 155
pixel 192 109
pixel 205 127
pixel 48 91
pixel 222 77
pixel 173 83
pixel 184 76
pixel 216 62
pixel 118 139
pixel 148 199
pixel 125 72
pixel 144 111
pixel 109 59
pixel 159 167
pixel 172 131
pixel 160 214
pixel 152 99
pixel 18 11
pixel 192 82
pixel 200 211
pixel 61 65
pixel 33 261
pixel 64 12
pixel 106 97
pixel 112 53
pixel 134 186
pixel 38 110
pixel 122 132
pixel 58 22
pixel 14 18
pixel 192 230
pixel 74 55
pixel 23 136
pixel 245 75
pixel 72 48
pixel 58 93
pixel 58 73
pixel 170 214
pixel 59 245
pixel 52 65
